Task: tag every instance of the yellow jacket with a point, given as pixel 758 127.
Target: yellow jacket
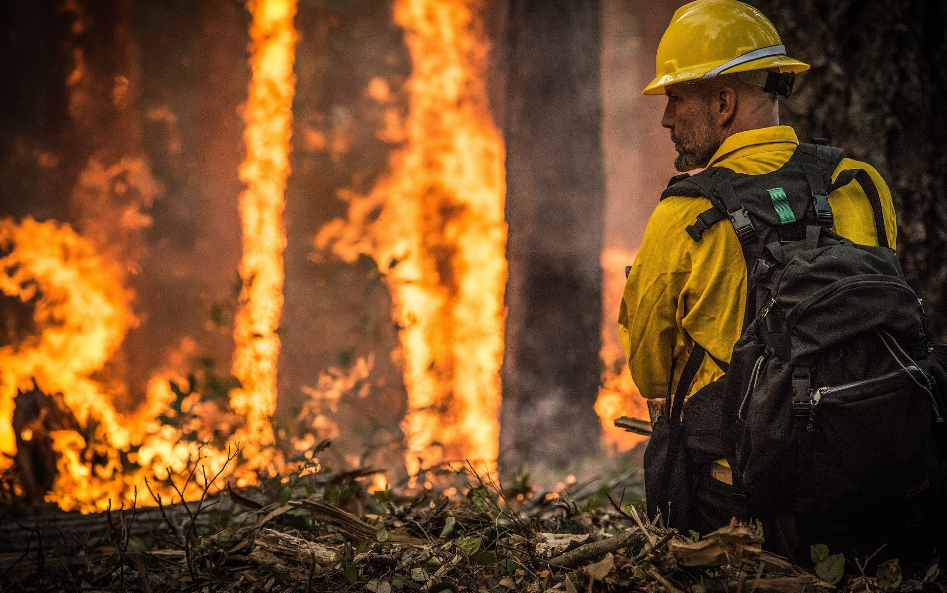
pixel 680 290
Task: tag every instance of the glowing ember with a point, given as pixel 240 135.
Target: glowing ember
pixel 441 238
pixel 269 116
pixel 618 395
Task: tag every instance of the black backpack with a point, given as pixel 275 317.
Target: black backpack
pixel 831 410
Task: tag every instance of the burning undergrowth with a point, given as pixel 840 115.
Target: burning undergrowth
pixel 62 463
pixel 313 529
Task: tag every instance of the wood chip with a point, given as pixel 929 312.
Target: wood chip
pixel 350 525
pixel 292 548
pixel 731 544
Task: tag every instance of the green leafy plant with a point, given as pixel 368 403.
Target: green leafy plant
pixel 888 576
pixel 828 567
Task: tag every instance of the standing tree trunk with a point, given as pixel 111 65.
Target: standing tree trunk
pixel 555 208
pixel 877 88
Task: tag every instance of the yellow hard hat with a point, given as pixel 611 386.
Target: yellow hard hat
pixel 711 37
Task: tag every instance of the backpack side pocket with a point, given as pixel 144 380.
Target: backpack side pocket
pixel 871 445
pixel 666 475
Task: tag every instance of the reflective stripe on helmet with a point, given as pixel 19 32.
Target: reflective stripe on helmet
pixel 763 52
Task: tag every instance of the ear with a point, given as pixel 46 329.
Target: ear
pixel 725 105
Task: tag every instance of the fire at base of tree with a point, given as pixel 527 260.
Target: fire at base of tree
pixel 319 530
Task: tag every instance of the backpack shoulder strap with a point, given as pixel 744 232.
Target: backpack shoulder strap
pixel 703 185
pixel 871 193
pixel 674 404
pixel 818 162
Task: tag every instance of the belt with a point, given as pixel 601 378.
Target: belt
pixel 721 473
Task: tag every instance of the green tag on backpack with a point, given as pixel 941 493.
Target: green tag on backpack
pixel 781 205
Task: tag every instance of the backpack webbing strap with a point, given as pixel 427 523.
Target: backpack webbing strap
pixel 714 184
pixel 705 220
pixel 723 366
pixel 678 179
pixel 691 367
pixel 697 186
pixel 818 161
pixel 874 198
pixel 686 189
pixel 820 195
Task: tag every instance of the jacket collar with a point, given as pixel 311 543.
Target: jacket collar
pixel 751 142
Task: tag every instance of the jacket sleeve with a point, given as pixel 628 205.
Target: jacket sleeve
pixel 647 315
pixel 853 216
pixel 680 291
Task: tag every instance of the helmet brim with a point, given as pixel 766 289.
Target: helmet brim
pixel 782 63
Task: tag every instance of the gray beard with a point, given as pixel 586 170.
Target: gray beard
pixel 697 147
pixel 694 157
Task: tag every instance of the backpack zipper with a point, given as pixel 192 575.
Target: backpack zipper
pixel 769 305
pixel 804 306
pixel 751 385
pixel 814 398
pixel 817 395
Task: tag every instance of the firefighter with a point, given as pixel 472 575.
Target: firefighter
pixel 723 69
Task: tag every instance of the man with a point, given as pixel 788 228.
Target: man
pixel 722 66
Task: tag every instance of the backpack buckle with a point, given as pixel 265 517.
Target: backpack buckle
pixel 823 212
pixel 743 225
pixel 801 409
pixel 762 268
pixel 801 387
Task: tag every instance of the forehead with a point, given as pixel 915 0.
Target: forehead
pixel 684 89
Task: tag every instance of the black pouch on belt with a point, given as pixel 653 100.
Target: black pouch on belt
pixel 682 436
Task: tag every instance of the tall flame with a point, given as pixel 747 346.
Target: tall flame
pixel 441 237
pixel 617 395
pixel 268 113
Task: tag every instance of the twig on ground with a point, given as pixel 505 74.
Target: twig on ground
pixel 595 550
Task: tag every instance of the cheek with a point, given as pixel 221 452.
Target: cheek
pixel 683 124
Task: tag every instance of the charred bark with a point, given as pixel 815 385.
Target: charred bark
pixel 876 88
pixel 555 210
pixel 37 414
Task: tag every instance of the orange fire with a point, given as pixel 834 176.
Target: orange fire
pixel 80 315
pixel 440 238
pixel 82 312
pixel 617 395
pixel 268 113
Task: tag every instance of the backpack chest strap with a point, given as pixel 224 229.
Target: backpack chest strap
pixel 713 184
pixel 705 220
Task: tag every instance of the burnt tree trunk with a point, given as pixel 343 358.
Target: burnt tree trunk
pixel 35 416
pixel 555 209
pixel 877 88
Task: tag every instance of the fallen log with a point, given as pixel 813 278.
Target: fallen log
pixel 28 534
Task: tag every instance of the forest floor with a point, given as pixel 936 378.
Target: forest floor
pixel 455 530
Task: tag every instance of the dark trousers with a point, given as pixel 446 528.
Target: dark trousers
pixel 910 534
pixel 715 502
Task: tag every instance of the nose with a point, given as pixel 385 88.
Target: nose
pixel 667 120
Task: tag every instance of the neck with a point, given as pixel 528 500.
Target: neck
pixel 754 110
